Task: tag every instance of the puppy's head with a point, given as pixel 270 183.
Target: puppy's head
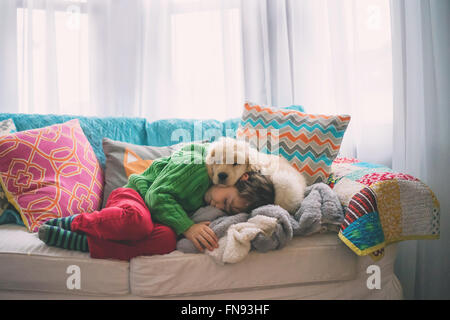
pixel 228 159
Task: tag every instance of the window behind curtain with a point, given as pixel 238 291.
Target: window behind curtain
pixel 52 55
pixel 53 59
pixel 207 61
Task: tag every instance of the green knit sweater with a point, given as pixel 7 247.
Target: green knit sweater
pixel 173 187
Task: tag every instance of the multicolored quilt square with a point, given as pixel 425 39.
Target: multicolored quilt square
pixel 382 206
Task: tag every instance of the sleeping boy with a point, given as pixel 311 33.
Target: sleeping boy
pixel 153 208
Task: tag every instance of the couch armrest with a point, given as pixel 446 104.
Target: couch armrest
pixel 382 206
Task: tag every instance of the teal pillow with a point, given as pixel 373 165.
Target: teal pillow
pixel 11 216
pixel 295 107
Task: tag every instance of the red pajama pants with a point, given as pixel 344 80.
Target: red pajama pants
pixel 124 229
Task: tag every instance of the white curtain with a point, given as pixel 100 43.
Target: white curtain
pixel 43 56
pixel 330 56
pixel 421 46
pixel 8 56
pixel 166 59
pixel 191 64
pixel 149 58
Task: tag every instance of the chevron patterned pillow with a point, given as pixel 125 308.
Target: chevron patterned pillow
pixel 310 142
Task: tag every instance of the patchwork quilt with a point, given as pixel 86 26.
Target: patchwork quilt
pixel 382 206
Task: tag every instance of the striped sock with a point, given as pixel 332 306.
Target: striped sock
pixel 59 237
pixel 64 223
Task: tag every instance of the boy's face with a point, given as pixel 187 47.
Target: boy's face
pixel 225 198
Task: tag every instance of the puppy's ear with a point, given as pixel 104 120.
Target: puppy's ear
pixel 244 177
pixel 210 157
pixel 210 171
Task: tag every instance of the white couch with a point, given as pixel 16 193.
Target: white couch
pixel 320 266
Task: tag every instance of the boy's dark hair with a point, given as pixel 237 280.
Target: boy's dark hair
pixel 257 190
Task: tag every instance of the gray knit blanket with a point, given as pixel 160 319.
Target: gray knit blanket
pixel 320 211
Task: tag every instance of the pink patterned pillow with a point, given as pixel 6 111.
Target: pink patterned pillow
pixel 50 172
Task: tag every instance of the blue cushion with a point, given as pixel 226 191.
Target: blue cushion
pixel 171 131
pixel 130 130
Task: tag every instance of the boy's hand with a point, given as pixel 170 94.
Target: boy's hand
pixel 202 236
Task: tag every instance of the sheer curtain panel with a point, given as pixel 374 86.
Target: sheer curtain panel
pixel 421 46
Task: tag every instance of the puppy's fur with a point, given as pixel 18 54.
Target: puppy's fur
pixel 228 159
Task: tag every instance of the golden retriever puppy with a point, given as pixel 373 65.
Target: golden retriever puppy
pixel 228 159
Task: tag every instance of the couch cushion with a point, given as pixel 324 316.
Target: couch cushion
pixel 26 263
pixel 314 259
